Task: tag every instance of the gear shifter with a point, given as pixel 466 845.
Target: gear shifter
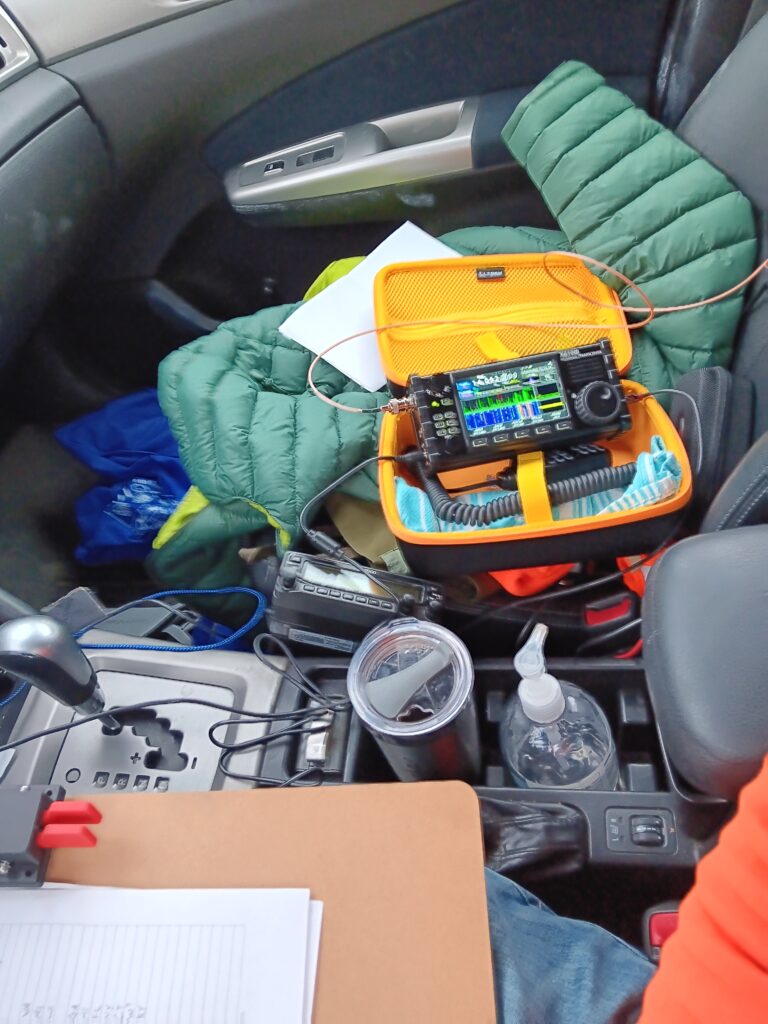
pixel 37 649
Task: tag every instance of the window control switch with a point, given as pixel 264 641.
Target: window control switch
pixel 647 830
pixel 627 831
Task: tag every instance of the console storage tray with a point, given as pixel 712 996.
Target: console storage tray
pixel 650 785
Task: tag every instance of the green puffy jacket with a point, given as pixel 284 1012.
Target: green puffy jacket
pixel 621 187
pixel 258 444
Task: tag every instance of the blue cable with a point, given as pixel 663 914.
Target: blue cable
pixel 254 620
pixel 16 693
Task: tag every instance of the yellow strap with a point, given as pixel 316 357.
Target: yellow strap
pixel 492 347
pixel 532 483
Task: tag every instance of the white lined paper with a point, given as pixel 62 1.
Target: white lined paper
pixel 90 955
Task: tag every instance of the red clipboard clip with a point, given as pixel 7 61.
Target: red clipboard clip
pixel 65 824
pixel 34 820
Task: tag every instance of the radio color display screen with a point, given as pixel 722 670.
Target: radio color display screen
pixel 519 396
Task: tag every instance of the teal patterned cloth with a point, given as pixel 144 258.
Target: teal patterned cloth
pixel 657 478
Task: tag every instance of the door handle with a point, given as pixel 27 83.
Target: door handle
pixel 419 145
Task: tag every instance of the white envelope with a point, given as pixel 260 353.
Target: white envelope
pixel 346 307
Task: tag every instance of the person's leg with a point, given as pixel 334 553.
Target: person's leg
pixel 554 970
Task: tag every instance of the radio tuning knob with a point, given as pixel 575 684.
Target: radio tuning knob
pixel 598 403
pixel 454 444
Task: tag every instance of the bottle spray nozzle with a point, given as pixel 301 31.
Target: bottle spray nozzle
pixel 529 660
pixel 541 695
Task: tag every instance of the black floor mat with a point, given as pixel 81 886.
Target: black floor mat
pixel 616 899
pixel 39 485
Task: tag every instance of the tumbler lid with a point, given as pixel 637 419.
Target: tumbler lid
pixel 409 677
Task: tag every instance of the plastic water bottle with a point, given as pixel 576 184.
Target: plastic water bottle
pixel 554 735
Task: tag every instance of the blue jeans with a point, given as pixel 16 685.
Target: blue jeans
pixel 554 970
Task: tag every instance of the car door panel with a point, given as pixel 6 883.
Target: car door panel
pixel 54 174
pixel 385 167
pixel 493 51
pixel 159 94
pixel 182 102
pixel 87 24
pixel 252 76
pixel 469 49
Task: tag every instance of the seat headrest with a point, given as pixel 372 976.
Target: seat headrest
pixel 728 123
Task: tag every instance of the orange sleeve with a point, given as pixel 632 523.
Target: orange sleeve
pixel 714 969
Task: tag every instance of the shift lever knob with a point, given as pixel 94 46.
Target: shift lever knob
pixel 39 650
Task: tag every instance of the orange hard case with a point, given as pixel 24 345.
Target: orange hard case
pixel 411 300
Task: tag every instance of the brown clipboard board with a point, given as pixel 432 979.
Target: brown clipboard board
pixel 398 867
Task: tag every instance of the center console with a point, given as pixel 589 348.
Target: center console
pixel 653 820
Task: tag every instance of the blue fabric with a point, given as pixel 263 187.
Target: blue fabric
pixel 554 970
pixel 657 478
pixel 130 445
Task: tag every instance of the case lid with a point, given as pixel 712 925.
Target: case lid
pixel 490 291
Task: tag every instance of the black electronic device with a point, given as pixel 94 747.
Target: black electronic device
pixel 330 603
pixel 470 416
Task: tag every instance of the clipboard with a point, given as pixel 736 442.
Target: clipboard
pixel 399 868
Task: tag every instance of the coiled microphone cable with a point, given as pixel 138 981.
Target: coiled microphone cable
pixel 450 510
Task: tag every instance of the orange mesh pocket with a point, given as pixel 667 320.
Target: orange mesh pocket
pixel 453 290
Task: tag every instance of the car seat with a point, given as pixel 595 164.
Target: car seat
pixel 700 35
pixel 726 122
pixel 705 644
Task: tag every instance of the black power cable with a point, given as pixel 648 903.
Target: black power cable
pixel 579 588
pixel 327 545
pixel 612 634
pixel 303 717
pixel 308 720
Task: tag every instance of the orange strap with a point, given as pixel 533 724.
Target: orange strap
pixel 532 482
pixel 525 582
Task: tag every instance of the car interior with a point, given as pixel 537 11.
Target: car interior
pixel 167 166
